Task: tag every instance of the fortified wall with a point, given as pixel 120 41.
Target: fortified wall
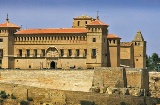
pixel 103 86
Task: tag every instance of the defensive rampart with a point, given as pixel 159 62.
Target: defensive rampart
pixel 104 86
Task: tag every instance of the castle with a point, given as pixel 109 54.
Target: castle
pixel 86 45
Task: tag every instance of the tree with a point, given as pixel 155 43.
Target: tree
pixel 155 58
pixel 153 61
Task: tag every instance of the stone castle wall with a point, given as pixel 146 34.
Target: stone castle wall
pixel 43 96
pixel 73 86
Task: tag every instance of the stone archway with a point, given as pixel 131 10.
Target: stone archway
pixel 52 52
pixel 52 65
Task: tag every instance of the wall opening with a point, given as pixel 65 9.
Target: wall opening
pixel 52 65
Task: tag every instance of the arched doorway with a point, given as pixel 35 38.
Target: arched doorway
pixel 52 65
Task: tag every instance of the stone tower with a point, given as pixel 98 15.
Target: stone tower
pixel 113 50
pixel 7 31
pixel 82 21
pixel 96 44
pixel 139 51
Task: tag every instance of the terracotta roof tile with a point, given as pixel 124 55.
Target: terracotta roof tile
pixel 113 36
pixel 52 31
pixel 8 24
pixel 125 43
pixel 97 22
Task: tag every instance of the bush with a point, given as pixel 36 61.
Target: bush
pixel 3 95
pixel 87 103
pixel 30 99
pixel 24 102
pixel 3 92
pixel 13 97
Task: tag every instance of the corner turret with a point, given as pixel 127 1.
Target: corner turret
pixel 139 50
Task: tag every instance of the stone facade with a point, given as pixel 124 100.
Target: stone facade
pixel 86 45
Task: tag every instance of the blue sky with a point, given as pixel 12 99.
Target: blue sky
pixel 125 17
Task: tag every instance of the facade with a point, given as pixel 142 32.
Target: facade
pixel 86 45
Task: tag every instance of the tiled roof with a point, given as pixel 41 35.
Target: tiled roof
pixel 8 24
pixel 125 43
pixel 113 36
pixel 52 31
pixel 97 22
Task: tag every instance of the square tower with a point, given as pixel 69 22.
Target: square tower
pixel 139 51
pixel 7 31
pixel 96 44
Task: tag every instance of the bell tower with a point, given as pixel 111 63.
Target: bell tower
pixel 96 44
pixel 139 51
pixel 7 31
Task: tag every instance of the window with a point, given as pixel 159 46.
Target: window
pixel 1 52
pixel 42 52
pixel 62 52
pixel 94 40
pixel 35 52
pixel 20 53
pixel 93 52
pixel 69 52
pixel 77 52
pixel 28 52
pixel 85 52
pixel 85 22
pixel 136 59
pixel 78 23
pixel 1 40
pixel 138 44
pixel 114 41
pixel 0 61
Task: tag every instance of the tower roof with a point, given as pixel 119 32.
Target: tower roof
pixel 113 36
pixel 8 24
pixel 138 36
pixel 97 22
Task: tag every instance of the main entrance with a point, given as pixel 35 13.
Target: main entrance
pixel 52 65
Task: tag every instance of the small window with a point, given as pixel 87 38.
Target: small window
pixel 42 52
pixel 135 43
pixel 78 23
pixel 85 22
pixel 0 61
pixel 35 52
pixel 94 40
pixel 77 52
pixel 29 66
pixel 93 52
pixel 114 41
pixel 28 52
pixel 136 59
pixel 1 40
pixel 1 52
pixel 69 52
pixel 138 44
pixel 20 53
pixel 62 52
pixel 85 52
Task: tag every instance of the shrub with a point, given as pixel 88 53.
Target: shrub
pixel 3 95
pixel 87 103
pixel 3 92
pixel 24 102
pixel 13 97
pixel 30 99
